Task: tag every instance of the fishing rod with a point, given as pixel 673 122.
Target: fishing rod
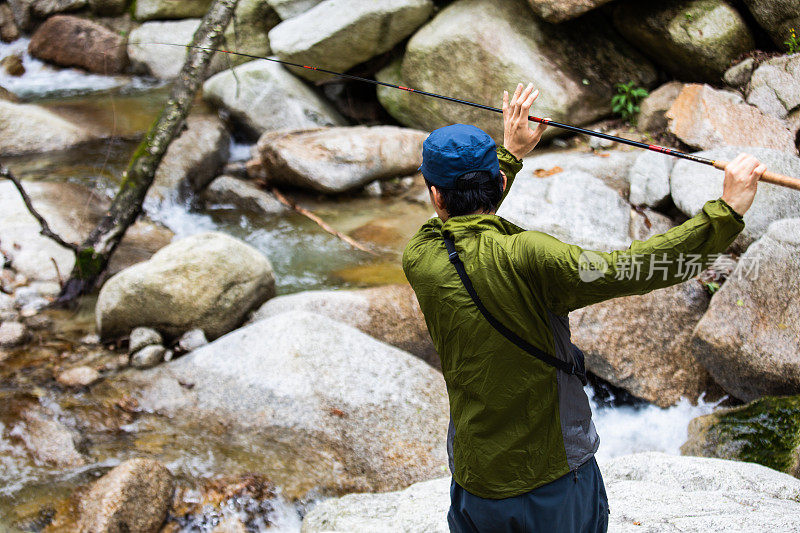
pixel 769 177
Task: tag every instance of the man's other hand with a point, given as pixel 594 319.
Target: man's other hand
pixel 518 137
pixel 741 181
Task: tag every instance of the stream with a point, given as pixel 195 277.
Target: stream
pixel 304 257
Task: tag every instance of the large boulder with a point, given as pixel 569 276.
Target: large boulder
pixel 169 9
pixel 47 8
pixel 48 441
pixel 610 167
pixel 706 118
pixel 692 185
pixel 70 41
pixel 573 206
pixel 642 343
pixel 652 112
pixel 9 31
pixel 775 86
pixel 72 211
pixel 133 496
pixel 693 39
pixel 246 34
pixel 328 407
pixel 766 432
pixel 649 179
pixel 287 9
pixel 339 34
pixel 245 195
pixel 646 492
pixel 151 50
pixel 208 281
pixel 777 17
pixel 390 314
pixel 475 49
pixel 334 160
pixel 193 159
pixel 561 10
pixel 264 96
pixel 26 128
pixel 750 335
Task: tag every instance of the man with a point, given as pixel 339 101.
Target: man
pixel 521 440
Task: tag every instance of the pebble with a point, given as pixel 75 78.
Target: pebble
pixel 92 339
pixel 79 376
pixel 148 356
pixel 12 334
pixel 6 302
pixel 37 322
pixel 192 340
pixel 141 337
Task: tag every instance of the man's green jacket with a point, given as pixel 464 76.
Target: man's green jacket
pixel 517 423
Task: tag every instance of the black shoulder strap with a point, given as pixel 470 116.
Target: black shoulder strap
pixel 569 368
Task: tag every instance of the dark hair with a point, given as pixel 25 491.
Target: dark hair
pixel 478 191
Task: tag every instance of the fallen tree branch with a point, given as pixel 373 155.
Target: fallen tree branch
pixel 321 223
pixel 45 231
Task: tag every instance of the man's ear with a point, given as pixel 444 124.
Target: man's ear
pixel 436 198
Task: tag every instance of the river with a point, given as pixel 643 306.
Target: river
pixel 303 256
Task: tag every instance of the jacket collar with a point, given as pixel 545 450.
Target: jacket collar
pixel 479 223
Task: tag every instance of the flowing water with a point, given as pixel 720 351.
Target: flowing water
pixel 303 256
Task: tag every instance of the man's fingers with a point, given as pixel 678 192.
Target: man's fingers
pixel 760 169
pixel 518 111
pixel 505 103
pixel 516 96
pixel 526 106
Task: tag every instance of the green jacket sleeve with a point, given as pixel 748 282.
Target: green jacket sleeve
pixel 510 166
pixel 571 277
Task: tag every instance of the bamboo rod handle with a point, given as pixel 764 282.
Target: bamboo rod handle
pixel 769 177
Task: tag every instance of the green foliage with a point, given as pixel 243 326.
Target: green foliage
pixel 793 43
pixel 711 287
pixel 626 102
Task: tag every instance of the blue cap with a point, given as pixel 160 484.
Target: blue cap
pixel 450 152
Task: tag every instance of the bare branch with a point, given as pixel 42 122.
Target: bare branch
pixel 46 231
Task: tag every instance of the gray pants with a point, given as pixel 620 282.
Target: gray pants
pixel 574 503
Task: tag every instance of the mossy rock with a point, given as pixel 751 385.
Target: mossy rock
pixel 766 431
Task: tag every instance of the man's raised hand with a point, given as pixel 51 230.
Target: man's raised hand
pixel 741 182
pixel 518 137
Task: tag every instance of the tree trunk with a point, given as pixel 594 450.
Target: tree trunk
pixel 95 252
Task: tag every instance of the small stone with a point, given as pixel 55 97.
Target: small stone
pixel 168 356
pixel 192 340
pixel 6 302
pixel 148 356
pixel 12 334
pixel 79 376
pixel 13 65
pixel 141 337
pixel 373 189
pixel 92 339
pixel 29 299
pixel 596 143
pixel 38 322
pixel 739 75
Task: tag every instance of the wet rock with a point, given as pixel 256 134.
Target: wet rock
pixel 649 179
pixel 642 343
pixel 573 206
pixel 652 114
pixel 478 48
pixel 390 314
pixel 134 496
pixel 324 405
pixel 48 440
pixel 192 340
pixel 170 9
pixel 108 8
pixel 193 159
pixel 287 9
pixel 148 356
pixel 561 10
pixel 264 96
pixel 70 41
pixel 6 302
pixel 21 10
pixel 692 185
pixel 79 376
pixel 775 86
pixel 141 337
pixel 12 334
pixel 652 491
pixel 777 17
pixel 245 195
pixel 44 131
pixel 8 27
pixel 92 339
pixel 28 299
pixel 748 339
pixel 339 34
pixel 161 61
pixel 5 94
pixel 766 432
pixel 39 322
pixel 47 8
pixel 610 167
pixel 209 281
pixel 692 39
pixel 314 159
pixel 13 65
pixel 72 211
pixel 738 76
pixel 705 118
pixel 254 19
